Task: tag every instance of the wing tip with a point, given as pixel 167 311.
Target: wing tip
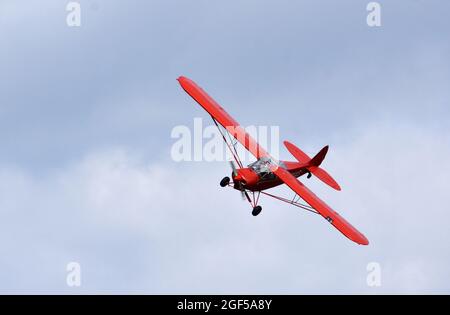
pixel 362 240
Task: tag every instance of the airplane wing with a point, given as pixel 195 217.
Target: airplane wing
pixel 222 117
pixel 324 210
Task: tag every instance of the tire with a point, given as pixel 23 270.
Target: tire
pixel 256 210
pixel 225 181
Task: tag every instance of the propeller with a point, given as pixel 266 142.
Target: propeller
pixel 233 167
pixel 244 194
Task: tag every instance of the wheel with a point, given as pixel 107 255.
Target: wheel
pixel 225 181
pixel 256 210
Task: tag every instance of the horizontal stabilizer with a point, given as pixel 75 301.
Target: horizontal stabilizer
pixel 313 164
pixel 323 175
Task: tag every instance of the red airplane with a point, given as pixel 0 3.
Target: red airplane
pixel 267 172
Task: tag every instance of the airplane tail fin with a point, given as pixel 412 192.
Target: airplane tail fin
pixel 313 164
pixel 319 157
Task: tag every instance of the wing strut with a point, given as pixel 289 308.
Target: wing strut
pixel 292 202
pixel 230 146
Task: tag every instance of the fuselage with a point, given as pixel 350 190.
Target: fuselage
pixel 255 178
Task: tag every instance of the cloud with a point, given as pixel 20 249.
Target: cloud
pixel 70 91
pixel 85 119
pixel 136 226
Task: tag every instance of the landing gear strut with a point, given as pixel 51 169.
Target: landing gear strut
pixel 252 200
pixel 256 210
pixel 225 181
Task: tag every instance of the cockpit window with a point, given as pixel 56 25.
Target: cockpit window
pixel 262 165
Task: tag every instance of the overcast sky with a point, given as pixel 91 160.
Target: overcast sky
pixel 86 174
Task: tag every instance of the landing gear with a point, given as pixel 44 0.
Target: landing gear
pixel 245 194
pixel 256 210
pixel 225 181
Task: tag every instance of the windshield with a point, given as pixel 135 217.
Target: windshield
pixel 261 166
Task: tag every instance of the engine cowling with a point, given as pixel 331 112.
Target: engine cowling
pixel 246 176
